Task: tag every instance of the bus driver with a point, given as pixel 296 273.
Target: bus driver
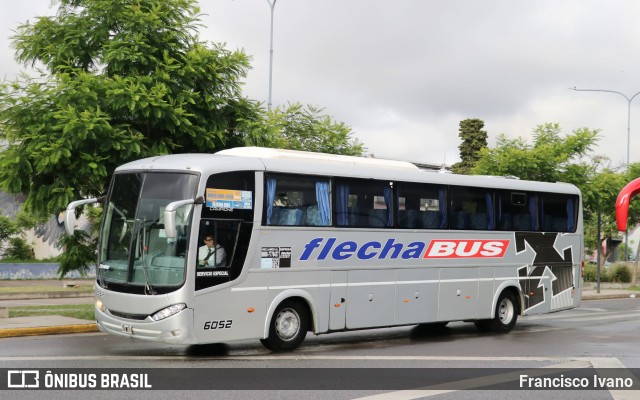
pixel 211 254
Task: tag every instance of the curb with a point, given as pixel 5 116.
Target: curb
pixel 48 330
pixel 44 295
pixel 610 296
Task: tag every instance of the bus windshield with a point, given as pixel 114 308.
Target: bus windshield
pixel 135 254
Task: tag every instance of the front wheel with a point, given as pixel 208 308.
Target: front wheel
pixel 288 327
pixel 505 315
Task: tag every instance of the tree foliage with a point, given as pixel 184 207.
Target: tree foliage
pixel 556 158
pixel 474 139
pixel 80 248
pixel 12 243
pixel 8 228
pixel 550 158
pixel 299 127
pixel 18 249
pixel 125 79
pixel 79 254
pixel 603 191
pixel 121 80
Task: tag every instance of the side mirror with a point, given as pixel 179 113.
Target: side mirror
pixel 170 216
pixel 70 214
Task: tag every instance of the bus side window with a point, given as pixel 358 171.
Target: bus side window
pixel 421 206
pixel 297 200
pixel 518 211
pixel 558 212
pixel 472 208
pixel 363 203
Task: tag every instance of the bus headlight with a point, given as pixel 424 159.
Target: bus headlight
pixel 169 311
pixel 100 306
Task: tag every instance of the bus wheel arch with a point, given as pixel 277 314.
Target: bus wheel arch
pixel 505 312
pixel 287 326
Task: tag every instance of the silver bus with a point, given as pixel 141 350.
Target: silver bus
pixel 325 243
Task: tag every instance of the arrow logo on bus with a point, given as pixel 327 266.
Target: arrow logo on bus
pixel 547 261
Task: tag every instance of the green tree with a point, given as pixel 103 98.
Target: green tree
pixel 18 249
pixel 299 127
pixel 474 139
pixel 12 242
pixel 79 254
pixel 8 228
pixel 554 158
pixel 600 190
pixel 122 80
pixel 550 158
pixel 599 193
pixel 80 248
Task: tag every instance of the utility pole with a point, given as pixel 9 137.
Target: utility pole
pixel 272 5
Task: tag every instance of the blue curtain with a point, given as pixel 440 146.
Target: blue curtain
pixel 571 215
pixel 533 212
pixel 500 216
pixel 387 200
pixel 271 195
pixel 342 204
pixel 489 199
pixel 324 204
pixel 442 203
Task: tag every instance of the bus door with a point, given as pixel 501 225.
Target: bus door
pixel 219 258
pixel 223 240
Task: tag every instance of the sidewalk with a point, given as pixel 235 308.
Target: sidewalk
pixel 68 291
pixel 48 325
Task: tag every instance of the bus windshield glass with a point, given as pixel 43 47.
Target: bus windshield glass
pixel 135 254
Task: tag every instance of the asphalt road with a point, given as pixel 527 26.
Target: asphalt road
pixel 599 334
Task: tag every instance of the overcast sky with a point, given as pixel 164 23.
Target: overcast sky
pixel 404 73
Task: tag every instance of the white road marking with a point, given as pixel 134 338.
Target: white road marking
pixel 605 365
pixel 469 384
pixel 573 316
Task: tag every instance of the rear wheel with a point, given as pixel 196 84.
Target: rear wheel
pixel 288 327
pixel 505 315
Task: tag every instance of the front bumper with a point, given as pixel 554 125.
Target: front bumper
pixel 176 329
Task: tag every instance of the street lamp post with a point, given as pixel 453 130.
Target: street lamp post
pixel 272 5
pixel 629 100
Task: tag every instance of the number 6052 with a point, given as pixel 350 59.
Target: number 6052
pixel 224 324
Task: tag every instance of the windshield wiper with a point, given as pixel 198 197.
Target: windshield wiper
pixel 138 243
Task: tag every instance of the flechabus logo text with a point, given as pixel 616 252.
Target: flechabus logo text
pixel 331 248
pixel 466 248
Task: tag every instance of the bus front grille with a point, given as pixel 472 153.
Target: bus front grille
pixel 137 317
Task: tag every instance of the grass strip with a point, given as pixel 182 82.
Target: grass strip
pixel 80 311
pixel 38 289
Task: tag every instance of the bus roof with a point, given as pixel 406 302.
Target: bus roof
pixel 303 162
pixel 283 154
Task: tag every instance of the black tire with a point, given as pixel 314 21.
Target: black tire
pixel 433 325
pixel 288 327
pixel 505 315
pixel 483 325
